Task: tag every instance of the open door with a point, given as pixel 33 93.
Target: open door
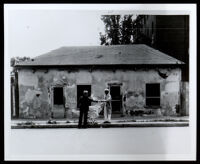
pixel 58 102
pixel 116 98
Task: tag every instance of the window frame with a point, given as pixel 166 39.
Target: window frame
pixel 152 97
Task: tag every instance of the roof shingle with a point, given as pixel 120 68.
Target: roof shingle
pixel 102 55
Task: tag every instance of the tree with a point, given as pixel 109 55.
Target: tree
pixel 126 30
pixel 138 36
pixel 103 39
pixel 15 60
pixel 112 30
pixel 123 30
pixel 118 30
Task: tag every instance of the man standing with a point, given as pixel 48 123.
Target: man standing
pixel 107 106
pixel 83 104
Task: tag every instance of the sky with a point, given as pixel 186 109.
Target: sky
pixel 34 32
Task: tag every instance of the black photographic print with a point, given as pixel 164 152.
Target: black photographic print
pixel 100 82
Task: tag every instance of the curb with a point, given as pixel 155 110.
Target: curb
pixel 112 125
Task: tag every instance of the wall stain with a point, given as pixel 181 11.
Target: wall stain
pixel 133 84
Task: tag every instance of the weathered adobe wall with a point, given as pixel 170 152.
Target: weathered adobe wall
pixel 133 82
pixel 185 98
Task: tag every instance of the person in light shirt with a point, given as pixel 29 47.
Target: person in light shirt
pixel 107 106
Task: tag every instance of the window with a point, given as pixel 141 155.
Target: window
pixel 153 94
pixel 58 96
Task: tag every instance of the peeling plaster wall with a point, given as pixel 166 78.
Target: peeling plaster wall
pixel 185 98
pixel 133 83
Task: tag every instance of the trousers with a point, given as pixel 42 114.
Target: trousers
pixel 83 116
pixel 107 114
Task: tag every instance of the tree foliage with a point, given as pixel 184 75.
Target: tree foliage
pixel 112 30
pixel 15 60
pixel 126 30
pixel 138 35
pixel 123 30
pixel 118 30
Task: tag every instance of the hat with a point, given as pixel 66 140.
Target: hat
pixel 106 89
pixel 38 91
pixel 85 91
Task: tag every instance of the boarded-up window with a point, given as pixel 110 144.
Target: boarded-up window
pixel 153 94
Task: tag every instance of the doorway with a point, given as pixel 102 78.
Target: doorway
pixel 80 89
pixel 58 103
pixel 116 98
pixel 58 96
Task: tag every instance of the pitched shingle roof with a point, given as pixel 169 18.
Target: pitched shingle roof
pixel 102 55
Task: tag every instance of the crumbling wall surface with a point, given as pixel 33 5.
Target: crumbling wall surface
pixel 132 82
pixel 31 80
pixel 184 99
pixel 29 83
pixel 170 93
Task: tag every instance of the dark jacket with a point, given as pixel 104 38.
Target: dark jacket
pixel 84 103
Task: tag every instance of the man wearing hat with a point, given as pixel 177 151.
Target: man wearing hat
pixel 107 106
pixel 83 104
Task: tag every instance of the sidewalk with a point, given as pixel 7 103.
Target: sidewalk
pixel 137 121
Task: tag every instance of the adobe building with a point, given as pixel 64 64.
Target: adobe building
pixel 148 78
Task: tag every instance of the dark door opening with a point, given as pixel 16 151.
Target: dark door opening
pixel 80 89
pixel 116 99
pixel 58 103
pixel 58 96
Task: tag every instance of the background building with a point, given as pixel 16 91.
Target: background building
pixel 167 33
